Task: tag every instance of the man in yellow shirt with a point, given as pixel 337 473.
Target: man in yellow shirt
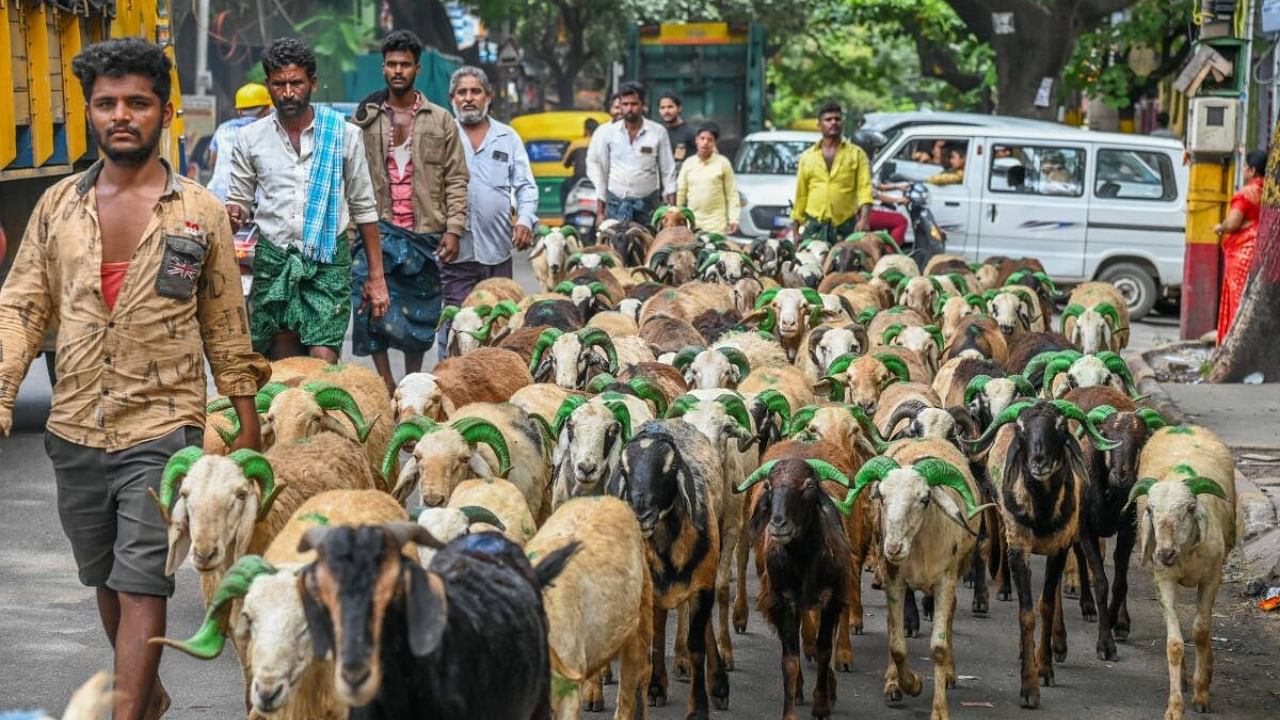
pixel 706 185
pixel 833 184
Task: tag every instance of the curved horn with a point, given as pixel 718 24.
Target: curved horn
pixel 895 366
pixel 209 640
pixel 564 288
pixel 1199 485
pixel 760 473
pixel 710 260
pixel 1072 411
pixel 596 337
pixel 646 390
pixel 682 405
pixel 777 403
pixel 737 358
pixel 1073 310
pixel 800 420
pixel 686 356
pixel 447 315
pixel 1100 414
pixel 256 467
pixel 1118 366
pixel 891 333
pixel 766 297
pixel 688 216
pixel 908 410
pixel 1153 419
pixel 735 408
pixel 868 427
pixel 1056 367
pixel 975 300
pixel 657 216
pixel 600 382
pixel 958 281
pixel 1046 281
pixel 408 431
pixel 866 316
pixel 598 288
pixel 938 472
pixel 622 414
pixel 475 430
pixel 977 385
pixel 1109 311
pixel 333 397
pixel 873 470
pixel 174 471
pixel 1023 385
pixel 218 405
pixel 1140 488
pixel 811 296
pixel 936 333
pixel 477 514
pixel 567 408
pixel 545 341
pixel 1009 415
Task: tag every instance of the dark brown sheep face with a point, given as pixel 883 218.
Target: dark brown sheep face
pixel 787 504
pixel 1048 440
pixel 1122 463
pixel 649 480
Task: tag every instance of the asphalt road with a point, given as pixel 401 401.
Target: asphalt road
pixel 50 640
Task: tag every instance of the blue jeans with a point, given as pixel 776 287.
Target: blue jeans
pixel 638 209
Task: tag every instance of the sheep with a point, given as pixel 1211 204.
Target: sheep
pixel 979 335
pixel 726 267
pixel 523 341
pixel 614 289
pixel 550 256
pixel 955 308
pixel 861 298
pixel 600 606
pixel 924 341
pixel 589 297
pixel 415 643
pixel 285 683
pixel 661 383
pixel 804 560
pixel 903 265
pixel 1105 368
pixel 508 511
pixel 744 294
pixel 919 293
pixel 1186 503
pixel 544 399
pixel 91 701
pixel 828 341
pixel 715 324
pixel 786 380
pixel 985 397
pixel 760 350
pixel 687 301
pixel 707 369
pixel 669 334
pixel 1038 471
pixel 861 380
pixel 1016 309
pixel 927 507
pixel 672 216
pixel 631 240
pixel 1028 346
pixel 880 321
pixel 1096 318
pixel 614 323
pixel 769 254
pixel 472 325
pixel 953 378
pixel 484 440
pixel 672 258
pixel 789 312
pixel 487 375
pixel 558 312
pixel 889 412
pixel 571 358
pixel 590 435
pixel 493 292
pixel 671 477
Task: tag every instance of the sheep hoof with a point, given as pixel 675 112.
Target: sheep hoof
pixel 1120 631
pixel 683 670
pixel 1059 655
pixel 981 606
pixel 720 703
pixel 1200 707
pixel 594 705
pixel 1046 678
pixel 844 667
pixel 857 629
pixel 893 693
pixel 1071 591
pixel 1107 649
pixel 1030 702
pixel 1004 596
pixel 657 696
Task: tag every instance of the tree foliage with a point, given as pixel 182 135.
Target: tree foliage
pixel 1100 64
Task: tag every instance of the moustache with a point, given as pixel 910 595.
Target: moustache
pixel 124 129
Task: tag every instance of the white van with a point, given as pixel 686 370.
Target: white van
pixel 1089 205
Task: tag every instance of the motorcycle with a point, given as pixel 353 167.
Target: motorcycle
pixel 580 210
pixel 928 238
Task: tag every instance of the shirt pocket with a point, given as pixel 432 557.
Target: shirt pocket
pixel 433 146
pixel 180 267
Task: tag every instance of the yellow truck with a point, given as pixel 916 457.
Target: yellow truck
pixel 43 131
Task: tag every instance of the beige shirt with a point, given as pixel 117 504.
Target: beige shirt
pixel 135 373
pixel 707 187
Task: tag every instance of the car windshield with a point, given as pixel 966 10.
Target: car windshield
pixel 770 157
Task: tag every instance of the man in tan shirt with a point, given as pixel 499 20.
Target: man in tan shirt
pixel 135 264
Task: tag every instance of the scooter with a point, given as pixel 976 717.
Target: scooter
pixel 928 238
pixel 580 210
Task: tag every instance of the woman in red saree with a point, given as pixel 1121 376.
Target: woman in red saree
pixel 1239 233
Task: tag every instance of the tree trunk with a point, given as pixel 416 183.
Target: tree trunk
pixel 1253 343
pixel 564 87
pixel 429 20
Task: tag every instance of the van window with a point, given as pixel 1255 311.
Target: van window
pixel 1036 170
pixel 770 157
pixel 1134 175
pixel 927 160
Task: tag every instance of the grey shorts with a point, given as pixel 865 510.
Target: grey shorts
pixel 117 535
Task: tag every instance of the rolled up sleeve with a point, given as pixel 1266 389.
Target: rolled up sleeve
pixel 355 171
pixel 25 306
pixel 525 186
pixel 862 192
pixel 224 322
pixel 456 180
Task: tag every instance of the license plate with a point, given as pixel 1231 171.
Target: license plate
pixel 246 282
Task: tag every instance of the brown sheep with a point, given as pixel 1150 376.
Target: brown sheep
pixel 492 291
pixel 489 375
pixel 979 334
pixel 666 334
pixel 522 341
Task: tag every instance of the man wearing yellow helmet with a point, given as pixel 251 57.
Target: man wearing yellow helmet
pixel 252 102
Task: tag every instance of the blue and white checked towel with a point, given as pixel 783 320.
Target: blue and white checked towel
pixel 324 187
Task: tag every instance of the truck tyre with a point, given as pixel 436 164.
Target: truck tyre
pixel 1136 284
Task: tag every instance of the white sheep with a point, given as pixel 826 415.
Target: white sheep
pixel 1096 318
pixel 707 369
pixel 550 256
pixel 569 359
pixel 591 434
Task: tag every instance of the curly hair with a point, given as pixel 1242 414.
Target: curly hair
pixel 402 41
pixel 288 51
pixel 124 56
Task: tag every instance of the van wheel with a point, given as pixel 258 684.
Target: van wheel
pixel 1135 284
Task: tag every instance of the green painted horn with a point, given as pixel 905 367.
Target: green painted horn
pixel 976 301
pixel 657 215
pixel 961 285
pixel 1073 412
pixel 564 288
pixel 800 420
pixel 686 356
pixel 542 231
pixel 447 315
pixel 475 430
pixel 1017 278
pixel 409 431
pixel 1007 416
pixel 887 239
pixel 937 471
pixel 600 382
pixel 841 363
pixel 623 415
pixel 597 337
pixel 976 386
pixel 209 640
pixel 545 341
pixel 760 473
pixel 1199 485
pixel 477 514
pixel 770 320
pixel 737 358
pixel 1119 367
pixel 174 471
pixel 873 470
pixel 868 427
pixel 1100 414
pixel 263 398
pixel 646 390
pixel 682 405
pixel 573 260
pixel 1056 367
pixel 1153 419
pixel 867 315
pixel 1140 488
pixel 1073 310
pixel 735 408
pixel 1046 281
pixel 892 277
pixel 598 288
pixel 811 296
pixel 936 333
pixel 333 397
pixel 688 216
pixel 891 333
pixel 839 388
pixel 257 468
pixel 777 404
pixel 766 297
pixel 1039 361
pixel 711 259
pixel 567 408
pixel 1108 311
pixel 568 231
pixel 895 366
pixel 1023 385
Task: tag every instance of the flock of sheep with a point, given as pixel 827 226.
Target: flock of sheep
pixel 617 445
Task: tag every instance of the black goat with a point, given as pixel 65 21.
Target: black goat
pixel 1040 469
pixel 415 643
pixel 803 549
pixel 671 476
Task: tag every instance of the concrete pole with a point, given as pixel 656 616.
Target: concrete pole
pixel 202 47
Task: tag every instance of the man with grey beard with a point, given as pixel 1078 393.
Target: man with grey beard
pixel 500 171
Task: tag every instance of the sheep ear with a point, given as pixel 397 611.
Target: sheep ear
pixel 1146 538
pixel 692 497
pixel 951 509
pixel 179 546
pixel 319 624
pixel 426 608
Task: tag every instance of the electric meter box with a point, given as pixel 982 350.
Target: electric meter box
pixel 1211 125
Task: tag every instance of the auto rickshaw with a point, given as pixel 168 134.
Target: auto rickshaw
pixel 548 138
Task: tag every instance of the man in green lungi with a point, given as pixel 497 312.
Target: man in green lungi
pixel 310 167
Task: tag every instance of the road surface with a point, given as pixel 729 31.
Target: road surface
pixel 50 640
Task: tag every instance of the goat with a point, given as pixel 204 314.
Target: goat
pixel 410 642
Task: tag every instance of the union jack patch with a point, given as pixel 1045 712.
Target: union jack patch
pixel 182 269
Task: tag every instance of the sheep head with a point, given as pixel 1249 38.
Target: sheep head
pixel 727 267
pixel 1175 519
pixel 861 380
pixel 211 503
pixel 792 503
pixel 556 247
pixel 298 413
pixel 669 216
pixel 842 424
pixel 446 524
pixel 920 294
pixel 986 397
pixel 572 356
pixel 769 254
pixel 955 308
pixel 786 311
pixel 703 369
pixel 720 419
pixel 905 495
pixel 590 298
pixel 744 294
pixel 654 479
pixel 1131 431
pixel 926 341
pixel 1042 443
pixel 923 421
pixel 1012 308
pixel 420 395
pixel 828 343
pixel 445 455
pixel 590 437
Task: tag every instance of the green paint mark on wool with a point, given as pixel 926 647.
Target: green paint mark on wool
pixel 1181 430
pixel 1185 469
pixel 561 687
pixel 533 555
pixel 314 517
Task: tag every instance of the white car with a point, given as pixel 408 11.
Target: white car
pixel 765 169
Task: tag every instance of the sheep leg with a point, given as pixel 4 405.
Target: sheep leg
pixel 943 663
pixel 724 640
pixel 978 573
pixel 1166 589
pixel 824 690
pixel 682 645
pixel 1119 609
pixel 594 694
pixel 1088 608
pixel 926 605
pixel 809 634
pixel 853 614
pixel 844 647
pixel 566 703
pixel 1071 578
pixel 898 678
pixel 716 669
pixel 741 554
pixel 1206 592
pixel 701 605
pixel 1059 630
pixel 633 668
pixel 658 657
pixel 1050 600
pixel 912 613
pixel 785 618
pixel 1093 555
pixel 1020 573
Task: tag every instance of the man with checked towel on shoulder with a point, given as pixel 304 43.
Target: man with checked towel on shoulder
pixel 310 165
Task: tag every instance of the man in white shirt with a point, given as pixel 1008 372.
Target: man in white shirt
pixel 630 163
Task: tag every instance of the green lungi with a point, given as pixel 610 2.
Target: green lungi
pixel 293 294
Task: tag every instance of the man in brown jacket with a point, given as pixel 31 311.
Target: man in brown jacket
pixel 420 183
pixel 135 264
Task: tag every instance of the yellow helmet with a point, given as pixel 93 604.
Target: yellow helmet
pixel 252 95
